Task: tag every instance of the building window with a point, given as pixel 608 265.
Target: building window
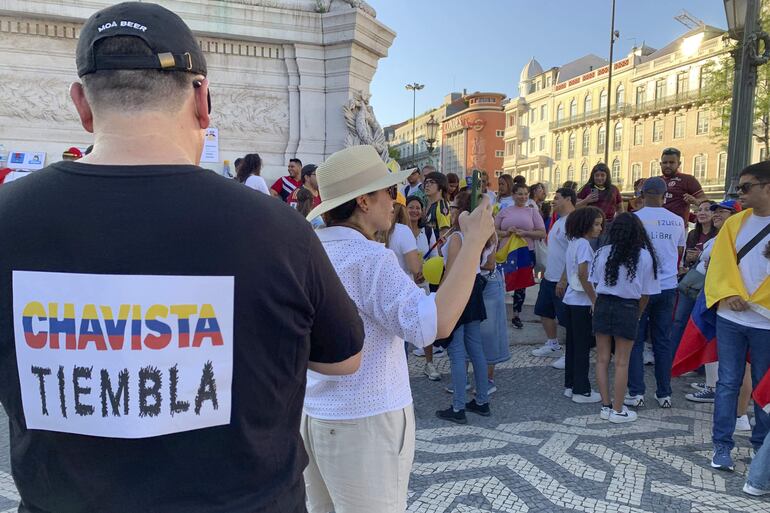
pixel 660 89
pixel 654 168
pixel 681 82
pixel 510 148
pixel 543 112
pixel 701 78
pixel 678 127
pixel 618 137
pixel 616 172
pixel 499 153
pixel 571 173
pixel 571 146
pixel 531 116
pixel 638 134
pixel 640 95
pixel 584 173
pixel 636 172
pixel 620 95
pixel 560 112
pixel 532 146
pixel 703 123
pixel 523 148
pixel 512 120
pixel 603 100
pixel 588 103
pixel 557 177
pixel 500 133
pixel 601 138
pixel 573 108
pixel 699 167
pixel 558 148
pixel 586 142
pixel 721 166
pixel 453 151
pixel 762 154
pixel 657 130
pixel 499 173
pixel 542 143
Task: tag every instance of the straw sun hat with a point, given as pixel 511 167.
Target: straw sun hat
pixel 350 173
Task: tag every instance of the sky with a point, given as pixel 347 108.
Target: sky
pixel 482 45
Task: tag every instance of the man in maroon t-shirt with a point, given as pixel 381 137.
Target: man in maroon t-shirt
pixel 285 185
pixel 683 190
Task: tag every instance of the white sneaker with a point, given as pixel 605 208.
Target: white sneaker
pixel 699 386
pixel 418 352
pixel 568 393
pixel 591 397
pixel 621 417
pixel 548 349
pixel 664 402
pixel 742 423
pixel 756 492
pixel 604 414
pixel 634 400
pixel 431 371
pixel 649 357
pixel 560 363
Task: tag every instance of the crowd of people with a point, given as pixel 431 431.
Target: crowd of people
pixel 294 333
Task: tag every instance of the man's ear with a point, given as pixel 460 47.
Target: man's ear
pixel 78 96
pixel 201 99
pixel 363 202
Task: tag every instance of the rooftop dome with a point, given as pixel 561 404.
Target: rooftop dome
pixel 532 69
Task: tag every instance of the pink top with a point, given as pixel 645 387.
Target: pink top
pixel 523 218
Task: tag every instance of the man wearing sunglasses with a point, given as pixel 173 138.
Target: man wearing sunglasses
pixel 739 283
pixel 683 189
pixel 155 336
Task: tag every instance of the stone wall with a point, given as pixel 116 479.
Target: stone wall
pixel 280 73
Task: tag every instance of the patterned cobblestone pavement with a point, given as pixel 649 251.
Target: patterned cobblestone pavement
pixel 540 452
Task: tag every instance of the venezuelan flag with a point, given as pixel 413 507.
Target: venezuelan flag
pixel 699 340
pixel 516 263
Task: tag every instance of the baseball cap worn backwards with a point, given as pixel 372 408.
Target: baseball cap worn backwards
pixel 654 185
pixel 171 41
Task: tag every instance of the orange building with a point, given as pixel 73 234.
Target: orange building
pixel 473 137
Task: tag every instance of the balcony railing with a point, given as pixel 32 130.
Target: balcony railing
pixel 667 102
pixel 620 109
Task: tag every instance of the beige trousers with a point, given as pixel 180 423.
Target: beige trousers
pixel 359 465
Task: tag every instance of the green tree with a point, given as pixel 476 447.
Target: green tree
pixel 394 153
pixel 717 92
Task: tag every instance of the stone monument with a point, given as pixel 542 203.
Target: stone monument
pixel 286 75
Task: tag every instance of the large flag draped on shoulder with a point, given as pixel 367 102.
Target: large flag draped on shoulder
pixel 516 263
pixel 699 340
pixel 762 393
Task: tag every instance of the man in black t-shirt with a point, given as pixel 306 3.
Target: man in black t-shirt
pixel 154 340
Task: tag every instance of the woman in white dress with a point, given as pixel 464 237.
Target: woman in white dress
pixel 359 429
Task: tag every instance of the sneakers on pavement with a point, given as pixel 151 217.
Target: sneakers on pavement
pixel 430 370
pixel 478 409
pixel 634 400
pixel 548 349
pixel 568 393
pixel 589 397
pixel 517 323
pixel 705 395
pixel 560 363
pixel 649 357
pixel 491 388
pixel 721 459
pixel 458 417
pixel 623 416
pixel 698 386
pixel 756 492
pixel 419 352
pixel 742 423
pixel 604 413
pixel 664 402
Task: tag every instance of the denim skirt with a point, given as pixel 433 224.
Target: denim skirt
pixel 616 316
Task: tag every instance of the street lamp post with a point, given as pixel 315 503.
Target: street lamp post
pixel 431 128
pixel 614 34
pixel 414 87
pixel 743 25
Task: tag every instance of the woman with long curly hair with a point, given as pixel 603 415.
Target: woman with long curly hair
pixel 601 193
pixel 625 273
pixel 248 173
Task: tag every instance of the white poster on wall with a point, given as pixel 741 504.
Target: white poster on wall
pixel 210 145
pixel 26 160
pixel 123 356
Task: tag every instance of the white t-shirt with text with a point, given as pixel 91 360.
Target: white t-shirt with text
pixel 557 250
pixel 578 251
pixel 754 271
pixel 643 284
pixel 667 234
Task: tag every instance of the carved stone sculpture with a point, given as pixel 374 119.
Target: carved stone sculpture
pixel 363 127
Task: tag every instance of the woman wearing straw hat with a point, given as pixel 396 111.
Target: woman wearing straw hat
pixel 359 429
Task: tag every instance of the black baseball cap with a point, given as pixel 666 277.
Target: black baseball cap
pixel 172 42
